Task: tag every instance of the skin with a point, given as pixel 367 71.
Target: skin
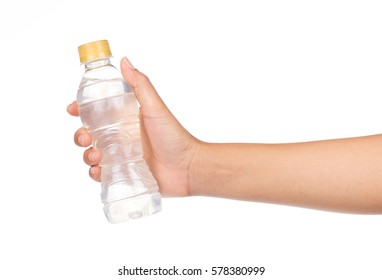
pixel 343 175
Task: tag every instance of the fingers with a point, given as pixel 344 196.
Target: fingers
pixel 72 109
pixel 82 138
pixel 95 173
pixel 92 157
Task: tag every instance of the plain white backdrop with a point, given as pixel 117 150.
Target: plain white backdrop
pixel 230 71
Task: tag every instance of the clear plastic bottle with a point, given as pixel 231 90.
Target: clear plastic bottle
pixel 109 111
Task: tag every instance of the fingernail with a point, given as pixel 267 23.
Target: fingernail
pixel 127 63
pixel 92 170
pixel 91 156
pixel 81 140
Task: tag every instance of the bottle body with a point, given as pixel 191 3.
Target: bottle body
pixel 109 110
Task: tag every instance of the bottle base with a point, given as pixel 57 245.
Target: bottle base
pixel 132 207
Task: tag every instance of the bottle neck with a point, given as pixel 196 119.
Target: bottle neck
pixel 90 65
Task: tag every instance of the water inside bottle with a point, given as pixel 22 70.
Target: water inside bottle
pixel 128 188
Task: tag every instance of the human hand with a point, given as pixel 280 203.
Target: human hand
pixel 168 148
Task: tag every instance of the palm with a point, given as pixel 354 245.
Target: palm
pixel 168 149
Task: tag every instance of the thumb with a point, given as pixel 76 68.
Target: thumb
pixel 144 91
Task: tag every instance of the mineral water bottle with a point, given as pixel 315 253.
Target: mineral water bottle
pixel 109 111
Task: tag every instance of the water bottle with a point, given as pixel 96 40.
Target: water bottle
pixel 109 111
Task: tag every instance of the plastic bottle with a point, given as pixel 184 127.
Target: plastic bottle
pixel 109 111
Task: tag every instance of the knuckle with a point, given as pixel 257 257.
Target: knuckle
pixel 143 79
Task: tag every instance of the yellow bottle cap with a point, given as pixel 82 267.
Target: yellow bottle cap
pixel 94 50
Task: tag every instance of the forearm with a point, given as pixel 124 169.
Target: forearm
pixel 340 175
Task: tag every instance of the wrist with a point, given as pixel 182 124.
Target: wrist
pixel 214 169
pixel 224 170
pixel 198 167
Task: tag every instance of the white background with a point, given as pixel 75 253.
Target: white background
pixel 231 71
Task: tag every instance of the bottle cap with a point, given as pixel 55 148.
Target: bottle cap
pixel 94 50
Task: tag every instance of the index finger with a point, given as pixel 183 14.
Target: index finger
pixel 72 109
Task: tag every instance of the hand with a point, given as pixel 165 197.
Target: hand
pixel 168 147
pixel 338 175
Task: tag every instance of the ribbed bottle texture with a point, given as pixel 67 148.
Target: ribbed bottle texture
pixel 109 110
